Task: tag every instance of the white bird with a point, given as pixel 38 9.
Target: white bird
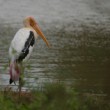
pixel 22 46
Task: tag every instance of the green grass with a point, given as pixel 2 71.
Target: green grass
pixel 55 97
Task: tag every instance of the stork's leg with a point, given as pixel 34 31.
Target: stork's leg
pixel 21 82
pixel 19 87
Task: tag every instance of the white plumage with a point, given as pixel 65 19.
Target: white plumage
pixel 18 43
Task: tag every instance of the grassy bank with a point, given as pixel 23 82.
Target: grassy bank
pixel 54 97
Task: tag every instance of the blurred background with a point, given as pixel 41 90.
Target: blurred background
pixel 79 32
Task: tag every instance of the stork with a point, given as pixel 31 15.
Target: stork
pixel 22 46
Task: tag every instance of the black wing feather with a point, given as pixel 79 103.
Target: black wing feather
pixel 29 42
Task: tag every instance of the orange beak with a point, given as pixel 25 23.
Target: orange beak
pixel 40 33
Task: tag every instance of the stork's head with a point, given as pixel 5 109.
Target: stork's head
pixel 30 22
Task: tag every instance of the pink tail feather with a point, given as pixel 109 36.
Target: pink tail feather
pixel 14 72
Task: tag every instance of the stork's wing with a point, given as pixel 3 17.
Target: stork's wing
pixel 26 49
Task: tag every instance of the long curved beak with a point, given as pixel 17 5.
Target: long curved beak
pixel 40 33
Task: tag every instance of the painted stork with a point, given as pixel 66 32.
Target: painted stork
pixel 22 46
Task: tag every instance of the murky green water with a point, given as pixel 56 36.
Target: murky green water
pixel 79 58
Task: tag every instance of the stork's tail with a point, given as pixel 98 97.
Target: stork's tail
pixel 14 72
